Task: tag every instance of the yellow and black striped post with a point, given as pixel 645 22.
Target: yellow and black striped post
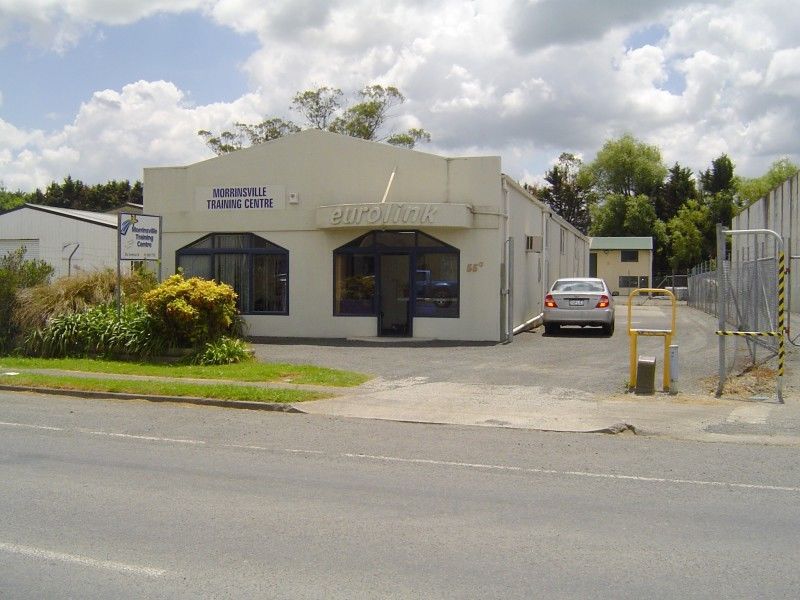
pixel 781 320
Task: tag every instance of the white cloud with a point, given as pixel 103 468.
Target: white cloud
pixel 59 24
pixel 783 73
pixel 523 79
pixel 116 134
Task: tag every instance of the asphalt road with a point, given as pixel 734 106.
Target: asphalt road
pixel 111 499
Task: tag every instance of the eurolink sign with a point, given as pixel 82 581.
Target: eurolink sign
pixel 394 215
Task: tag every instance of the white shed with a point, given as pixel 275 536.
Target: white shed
pixel 69 240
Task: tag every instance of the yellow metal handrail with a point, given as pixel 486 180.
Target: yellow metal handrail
pixel 635 333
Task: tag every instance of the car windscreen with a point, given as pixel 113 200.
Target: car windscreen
pixel 577 286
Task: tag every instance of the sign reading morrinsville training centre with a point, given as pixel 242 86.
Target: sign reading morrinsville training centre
pixel 250 197
pixel 139 237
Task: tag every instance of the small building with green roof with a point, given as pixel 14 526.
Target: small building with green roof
pixel 625 263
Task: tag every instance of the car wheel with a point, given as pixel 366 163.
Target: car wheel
pixel 442 298
pixel 609 329
pixel 551 328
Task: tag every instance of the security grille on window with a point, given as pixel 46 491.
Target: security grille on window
pixel 257 269
pixel 628 281
pixel 630 256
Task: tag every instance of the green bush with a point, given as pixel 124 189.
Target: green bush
pixel 98 332
pixel 223 351
pixel 16 273
pixel 193 311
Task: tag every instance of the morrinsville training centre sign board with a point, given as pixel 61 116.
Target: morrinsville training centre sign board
pixel 139 237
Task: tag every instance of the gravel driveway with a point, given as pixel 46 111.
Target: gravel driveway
pixel 578 359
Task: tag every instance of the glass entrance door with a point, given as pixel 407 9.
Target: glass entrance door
pixel 394 316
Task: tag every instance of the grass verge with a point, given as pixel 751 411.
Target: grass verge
pixel 166 388
pixel 245 371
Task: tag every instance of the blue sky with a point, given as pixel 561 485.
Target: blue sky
pixel 44 89
pixel 100 90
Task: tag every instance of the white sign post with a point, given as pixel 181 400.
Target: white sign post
pixel 138 239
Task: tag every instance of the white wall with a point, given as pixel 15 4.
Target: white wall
pixel 57 236
pixel 778 211
pixel 322 169
pixel 534 271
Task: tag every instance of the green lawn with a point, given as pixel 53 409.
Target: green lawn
pixel 165 388
pixel 246 371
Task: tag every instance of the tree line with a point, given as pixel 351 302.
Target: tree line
pixel 627 190
pixel 73 193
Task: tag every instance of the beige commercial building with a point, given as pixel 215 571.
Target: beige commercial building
pixel 329 236
pixel 625 263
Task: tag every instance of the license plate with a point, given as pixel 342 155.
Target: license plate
pixel 576 302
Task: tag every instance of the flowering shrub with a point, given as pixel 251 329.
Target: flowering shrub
pixel 193 311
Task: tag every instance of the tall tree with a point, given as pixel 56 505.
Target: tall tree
pixel 678 189
pixel 568 191
pixel 622 216
pixel 319 106
pixel 245 134
pixel 69 194
pixel 322 108
pixel 719 177
pixel 628 167
pixel 687 234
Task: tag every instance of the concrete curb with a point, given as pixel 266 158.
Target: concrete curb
pixel 271 406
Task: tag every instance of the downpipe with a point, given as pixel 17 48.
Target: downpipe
pixel 530 324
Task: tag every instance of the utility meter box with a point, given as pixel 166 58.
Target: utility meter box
pixel 646 375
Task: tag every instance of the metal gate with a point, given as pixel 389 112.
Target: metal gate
pixel 750 302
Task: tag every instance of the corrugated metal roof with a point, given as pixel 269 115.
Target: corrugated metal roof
pixel 82 215
pixel 621 243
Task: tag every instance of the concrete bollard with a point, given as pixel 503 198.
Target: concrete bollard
pixel 646 375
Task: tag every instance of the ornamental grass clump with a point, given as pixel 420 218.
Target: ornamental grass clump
pixel 17 274
pixel 223 351
pixel 98 331
pixel 36 306
pixel 194 311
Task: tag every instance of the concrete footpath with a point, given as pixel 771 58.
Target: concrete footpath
pixel 687 416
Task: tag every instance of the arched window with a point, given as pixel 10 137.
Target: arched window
pixel 257 269
pixel 433 274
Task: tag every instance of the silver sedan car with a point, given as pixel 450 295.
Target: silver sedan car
pixel 579 301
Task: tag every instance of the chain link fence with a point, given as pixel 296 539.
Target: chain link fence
pixel 746 293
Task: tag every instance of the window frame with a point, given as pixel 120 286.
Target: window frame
pixel 424 243
pixel 250 251
pixel 629 256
